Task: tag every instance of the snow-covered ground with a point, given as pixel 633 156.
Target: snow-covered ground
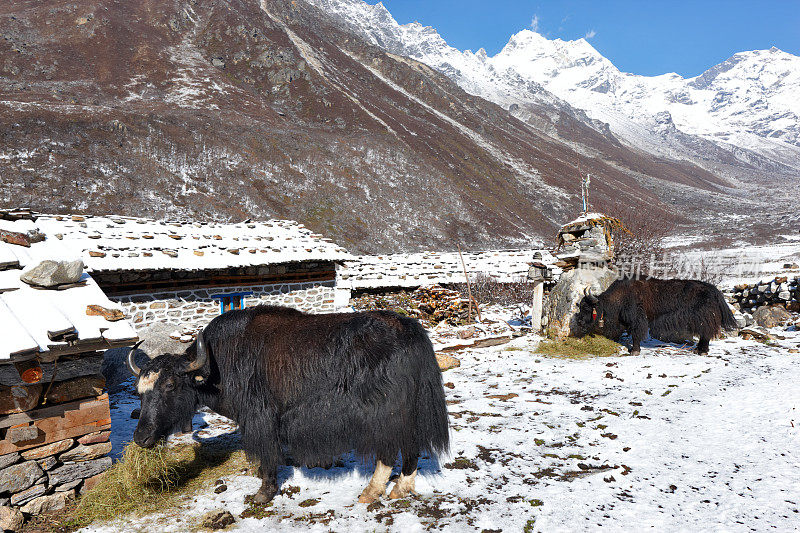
pixel 668 440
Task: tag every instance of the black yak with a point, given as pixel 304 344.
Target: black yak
pixel 665 307
pixel 315 385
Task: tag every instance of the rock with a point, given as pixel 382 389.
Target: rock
pixel 11 519
pixel 19 477
pixel 22 434
pixel 446 362
pixel 69 486
pixel 467 333
pixel 9 459
pixel 218 519
pixel 47 463
pixel 741 321
pixel 75 389
pixel 567 294
pixel 112 315
pixel 91 482
pixel 12 237
pixel 18 399
pixel 85 453
pixel 50 273
pixel 94 438
pixel 772 316
pixel 24 496
pixel 53 448
pixel 65 474
pixel 755 333
pixel 784 295
pixel 46 504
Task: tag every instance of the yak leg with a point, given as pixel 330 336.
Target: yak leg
pixel 269 484
pixel 702 346
pixel 405 483
pixel 636 322
pixel 377 485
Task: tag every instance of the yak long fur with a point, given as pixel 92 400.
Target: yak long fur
pixel 322 385
pixel 665 307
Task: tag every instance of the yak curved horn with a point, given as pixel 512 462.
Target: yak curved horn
pixel 201 356
pixel 132 366
pixel 588 293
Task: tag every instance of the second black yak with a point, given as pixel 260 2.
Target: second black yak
pixel 664 307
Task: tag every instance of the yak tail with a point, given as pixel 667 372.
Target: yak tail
pixel 728 321
pixel 433 434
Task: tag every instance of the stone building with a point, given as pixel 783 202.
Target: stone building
pixel 54 414
pixel 186 273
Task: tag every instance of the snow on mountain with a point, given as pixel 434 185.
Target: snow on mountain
pixel 746 106
pixel 748 101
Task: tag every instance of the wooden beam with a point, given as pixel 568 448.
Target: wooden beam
pixel 122 289
pixel 59 422
pixel 65 369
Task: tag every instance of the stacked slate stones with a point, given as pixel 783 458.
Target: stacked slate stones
pixel 779 291
pixel 55 420
pixel 40 469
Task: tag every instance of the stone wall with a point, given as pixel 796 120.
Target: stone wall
pixel 781 291
pixel 197 307
pixel 52 448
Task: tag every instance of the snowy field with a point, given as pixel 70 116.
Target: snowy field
pixel 669 441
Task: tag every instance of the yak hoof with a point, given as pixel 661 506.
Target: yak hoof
pixel 635 352
pixel 398 492
pixel 263 497
pixel 370 494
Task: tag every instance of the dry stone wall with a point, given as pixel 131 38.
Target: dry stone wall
pixel 198 307
pixel 782 291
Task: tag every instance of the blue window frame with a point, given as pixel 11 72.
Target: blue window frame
pixel 230 301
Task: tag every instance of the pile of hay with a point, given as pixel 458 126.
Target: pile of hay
pixel 583 348
pixel 149 480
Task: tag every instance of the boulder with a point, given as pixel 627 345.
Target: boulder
pixel 50 273
pixel 446 362
pixel 67 473
pixel 19 477
pixel 94 438
pixel 45 504
pixel 567 294
pixel 772 316
pixel 49 449
pixel 23 497
pixel 8 459
pixel 11 519
pixel 218 519
pixel 85 452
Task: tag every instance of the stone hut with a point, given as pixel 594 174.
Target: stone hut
pixel 54 413
pixel 186 273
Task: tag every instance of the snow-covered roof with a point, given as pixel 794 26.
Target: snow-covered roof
pixel 32 318
pixel 583 219
pixel 429 268
pixel 126 243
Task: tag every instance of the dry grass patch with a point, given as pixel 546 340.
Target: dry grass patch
pixel 147 481
pixel 582 348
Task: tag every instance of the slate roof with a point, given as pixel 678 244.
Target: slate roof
pixel 37 321
pixel 124 243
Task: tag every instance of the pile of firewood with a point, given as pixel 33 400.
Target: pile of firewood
pixel 442 304
pixel 430 305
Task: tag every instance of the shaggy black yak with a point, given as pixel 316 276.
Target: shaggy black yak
pixel 665 307
pixel 316 385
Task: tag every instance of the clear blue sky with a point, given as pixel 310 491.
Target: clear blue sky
pixel 645 37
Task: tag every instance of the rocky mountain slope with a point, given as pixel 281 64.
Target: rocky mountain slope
pixel 739 119
pixel 235 109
